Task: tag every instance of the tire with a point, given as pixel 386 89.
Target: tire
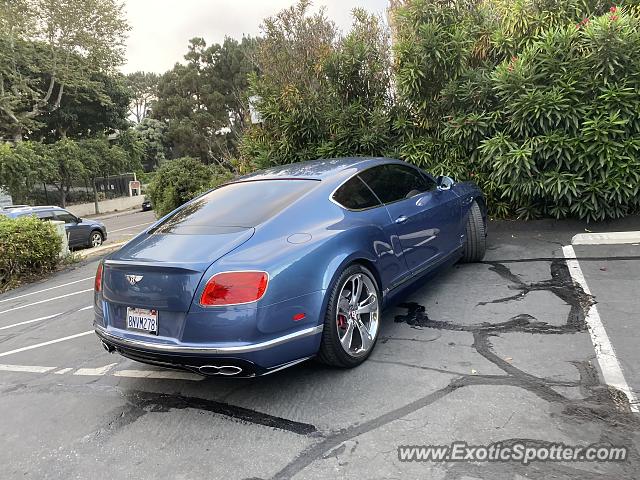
pixel 475 244
pixel 95 239
pixel 342 317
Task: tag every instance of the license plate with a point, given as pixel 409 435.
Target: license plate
pixel 142 319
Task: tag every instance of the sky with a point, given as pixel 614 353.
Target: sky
pixel 161 29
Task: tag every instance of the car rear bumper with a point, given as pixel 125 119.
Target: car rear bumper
pixel 207 350
pixel 246 360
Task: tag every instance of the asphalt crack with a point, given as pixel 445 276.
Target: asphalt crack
pixel 140 403
pixel 601 405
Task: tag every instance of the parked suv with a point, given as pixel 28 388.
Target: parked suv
pixel 80 232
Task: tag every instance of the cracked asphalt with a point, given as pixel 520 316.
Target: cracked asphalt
pixel 492 352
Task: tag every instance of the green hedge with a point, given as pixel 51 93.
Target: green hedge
pixel 178 181
pixel 538 101
pixel 28 248
pixel 562 136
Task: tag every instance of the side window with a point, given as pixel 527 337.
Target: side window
pixel 45 215
pixel 431 183
pixel 66 217
pixel 396 182
pixel 355 195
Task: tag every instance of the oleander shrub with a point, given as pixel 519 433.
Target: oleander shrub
pixel 561 137
pixel 28 248
pixel 538 101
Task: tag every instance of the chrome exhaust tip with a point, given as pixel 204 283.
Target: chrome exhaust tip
pixel 224 370
pixel 107 347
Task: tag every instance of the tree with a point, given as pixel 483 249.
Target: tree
pixel 202 102
pixel 47 47
pixel 152 134
pixel 98 108
pixel 144 90
pixel 321 94
pixel 21 166
pixel 66 159
pixel 100 159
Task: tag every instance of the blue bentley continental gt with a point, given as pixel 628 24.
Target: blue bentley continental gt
pixel 283 265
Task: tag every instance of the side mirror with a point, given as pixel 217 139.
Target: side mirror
pixel 445 183
pixel 78 220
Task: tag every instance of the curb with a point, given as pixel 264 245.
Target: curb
pixel 608 238
pixel 99 250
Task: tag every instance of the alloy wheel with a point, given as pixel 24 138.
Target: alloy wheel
pixel 96 239
pixel 357 316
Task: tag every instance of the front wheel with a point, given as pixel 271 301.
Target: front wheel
pixel 475 243
pixel 352 319
pixel 95 240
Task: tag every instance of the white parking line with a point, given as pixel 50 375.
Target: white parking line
pixel 47 289
pixel 611 369
pixel 30 321
pixel 62 371
pixel 105 371
pixel 41 318
pixel 44 344
pixel 95 371
pixel 47 300
pixel 26 368
pixel 129 228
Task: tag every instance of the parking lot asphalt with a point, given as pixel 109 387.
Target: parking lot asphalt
pixel 498 351
pixel 123 226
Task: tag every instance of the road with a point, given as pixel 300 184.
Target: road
pixel 123 226
pixel 497 351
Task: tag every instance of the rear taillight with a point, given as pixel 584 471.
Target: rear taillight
pixel 233 288
pixel 98 282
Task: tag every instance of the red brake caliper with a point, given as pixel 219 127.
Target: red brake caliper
pixel 342 321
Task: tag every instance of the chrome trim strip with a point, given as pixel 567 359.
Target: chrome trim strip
pixel 333 200
pixel 162 347
pixel 286 365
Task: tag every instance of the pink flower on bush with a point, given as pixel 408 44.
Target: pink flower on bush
pixel 613 9
pixel 582 23
pixel 614 18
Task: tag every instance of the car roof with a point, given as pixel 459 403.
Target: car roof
pixel 39 207
pixel 11 207
pixel 315 169
pixel 23 209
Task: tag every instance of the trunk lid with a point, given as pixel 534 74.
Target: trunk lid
pixel 162 270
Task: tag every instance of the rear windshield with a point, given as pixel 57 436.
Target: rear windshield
pixel 243 204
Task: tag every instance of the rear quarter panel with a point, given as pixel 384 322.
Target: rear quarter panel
pixel 304 250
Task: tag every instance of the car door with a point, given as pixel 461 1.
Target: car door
pixel 424 216
pixel 75 231
pixel 357 197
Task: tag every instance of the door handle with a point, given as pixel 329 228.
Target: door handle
pixel 401 219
